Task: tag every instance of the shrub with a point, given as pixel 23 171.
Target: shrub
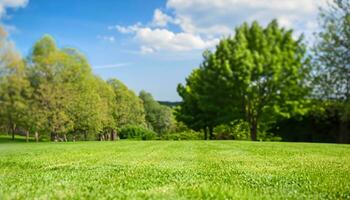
pixel 236 130
pixel 269 136
pixel 136 132
pixel 184 135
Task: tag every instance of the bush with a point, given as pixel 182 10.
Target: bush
pixel 269 137
pixel 136 132
pixel 184 135
pixel 236 130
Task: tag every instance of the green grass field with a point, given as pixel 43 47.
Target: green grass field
pixel 174 170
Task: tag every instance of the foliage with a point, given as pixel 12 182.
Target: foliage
pixel 66 93
pixel 55 94
pixel 258 75
pixel 184 135
pixel 159 118
pixel 171 104
pixel 332 60
pixel 136 132
pixel 320 124
pixel 14 87
pixel 189 111
pixel 129 109
pixel 236 130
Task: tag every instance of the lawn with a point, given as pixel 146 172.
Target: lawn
pixel 174 170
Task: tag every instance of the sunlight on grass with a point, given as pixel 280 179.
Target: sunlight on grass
pixel 174 170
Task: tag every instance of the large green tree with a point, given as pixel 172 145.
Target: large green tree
pixel 51 91
pixel 107 109
pixel 65 91
pixel 332 57
pixel 84 101
pixel 189 110
pixel 259 74
pixel 129 109
pixel 14 86
pixel 159 118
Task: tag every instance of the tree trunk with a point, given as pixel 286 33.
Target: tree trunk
pixel 205 133
pixel 56 137
pixel 36 136
pixel 253 131
pixel 211 133
pixel 113 135
pixel 85 135
pixel 74 137
pixel 52 136
pixel 65 137
pixel 13 131
pixel 27 136
pixel 343 132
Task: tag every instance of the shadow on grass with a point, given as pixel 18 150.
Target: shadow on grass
pixel 18 139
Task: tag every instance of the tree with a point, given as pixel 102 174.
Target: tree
pixel 53 73
pixel 159 118
pixel 128 107
pixel 107 109
pixel 14 85
pixel 189 111
pixel 85 103
pixel 258 75
pixel 332 57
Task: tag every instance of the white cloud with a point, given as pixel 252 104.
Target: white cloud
pixel 106 38
pixel 163 39
pixel 126 29
pixel 5 4
pixel 161 19
pixel 201 23
pixel 220 16
pixel 111 66
pixel 146 50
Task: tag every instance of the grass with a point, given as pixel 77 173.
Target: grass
pixel 7 139
pixel 174 170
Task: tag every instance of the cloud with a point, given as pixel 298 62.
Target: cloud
pixel 201 23
pixel 106 38
pixel 163 39
pixel 146 50
pixel 220 16
pixel 126 29
pixel 10 28
pixel 161 19
pixel 111 66
pixel 12 4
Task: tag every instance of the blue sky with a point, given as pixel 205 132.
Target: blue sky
pixel 148 44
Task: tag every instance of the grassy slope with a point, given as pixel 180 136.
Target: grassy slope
pixel 174 170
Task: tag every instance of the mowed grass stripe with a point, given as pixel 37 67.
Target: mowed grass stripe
pixel 174 170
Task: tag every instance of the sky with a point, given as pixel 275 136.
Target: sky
pixel 150 45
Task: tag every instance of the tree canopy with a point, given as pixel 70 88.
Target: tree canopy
pixel 258 75
pixel 159 118
pixel 54 92
pixel 332 59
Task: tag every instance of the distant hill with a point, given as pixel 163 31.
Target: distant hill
pixel 170 104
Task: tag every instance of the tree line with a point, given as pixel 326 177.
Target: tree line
pixel 261 83
pixel 53 94
pixel 269 81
